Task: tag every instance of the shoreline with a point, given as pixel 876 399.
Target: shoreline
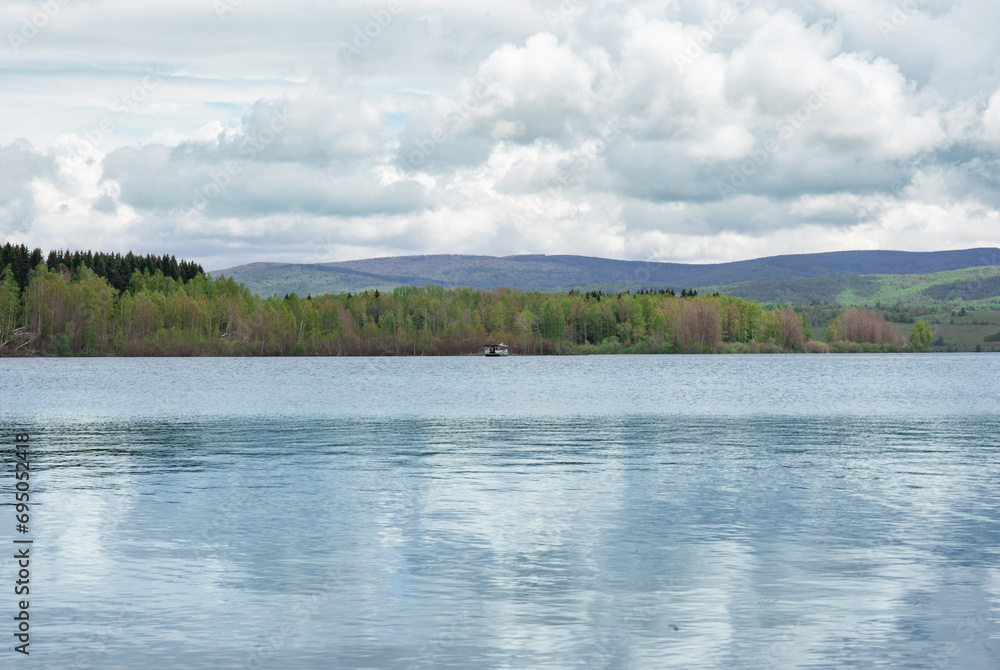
pixel 525 355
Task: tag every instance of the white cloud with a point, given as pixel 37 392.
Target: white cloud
pixel 991 120
pixel 484 128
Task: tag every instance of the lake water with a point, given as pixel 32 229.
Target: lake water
pixel 530 512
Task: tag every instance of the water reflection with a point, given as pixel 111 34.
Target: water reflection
pixel 545 542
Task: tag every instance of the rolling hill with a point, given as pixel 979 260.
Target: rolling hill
pixel 772 279
pixel 969 285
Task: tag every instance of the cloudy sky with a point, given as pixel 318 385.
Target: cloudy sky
pixel 231 131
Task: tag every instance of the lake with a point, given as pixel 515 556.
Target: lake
pixel 786 511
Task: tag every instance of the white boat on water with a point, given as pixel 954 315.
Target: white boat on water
pixel 496 349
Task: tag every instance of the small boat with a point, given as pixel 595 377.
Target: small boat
pixel 496 349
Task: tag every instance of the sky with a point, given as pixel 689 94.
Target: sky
pixel 234 131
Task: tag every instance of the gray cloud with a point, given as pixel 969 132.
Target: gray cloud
pixel 483 127
pixel 20 165
pixel 300 158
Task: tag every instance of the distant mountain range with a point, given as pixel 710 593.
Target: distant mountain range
pixel 773 279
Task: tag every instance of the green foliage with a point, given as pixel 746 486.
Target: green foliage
pixel 832 333
pixel 921 335
pixel 806 320
pixel 19 262
pixel 971 285
pixel 995 337
pixel 83 314
pixel 10 306
pixel 116 268
pixel 63 344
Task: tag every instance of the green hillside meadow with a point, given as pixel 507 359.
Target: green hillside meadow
pixel 979 287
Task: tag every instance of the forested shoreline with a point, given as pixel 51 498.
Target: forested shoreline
pixel 117 269
pixel 77 312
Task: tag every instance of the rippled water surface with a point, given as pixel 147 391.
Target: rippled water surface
pixel 578 512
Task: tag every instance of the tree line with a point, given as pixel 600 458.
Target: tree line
pixel 78 311
pixel 117 269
